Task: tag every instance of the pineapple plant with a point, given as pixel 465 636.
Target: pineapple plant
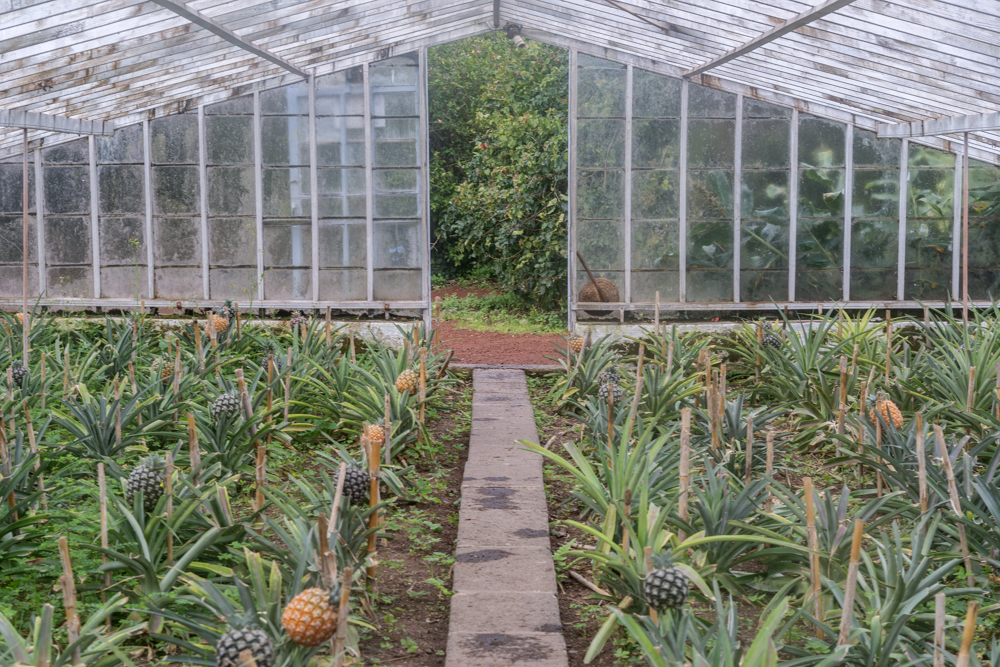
pixel 666 586
pixel 772 341
pixel 609 376
pixel 269 349
pixel 310 618
pixel 356 484
pixel 219 323
pixel 227 310
pixel 576 344
pixel 147 477
pixel 235 640
pixel 890 413
pixel 407 381
pixel 376 431
pixel 225 406
pixel 19 372
pixel 613 389
pixel 20 318
pixel 297 319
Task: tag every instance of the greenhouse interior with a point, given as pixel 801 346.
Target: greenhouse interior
pixel 481 333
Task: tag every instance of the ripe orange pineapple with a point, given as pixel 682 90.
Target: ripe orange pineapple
pixel 407 381
pixel 219 322
pixel 890 413
pixel 376 432
pixel 310 617
pixel 20 318
pixel 576 344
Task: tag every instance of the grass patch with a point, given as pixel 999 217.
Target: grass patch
pixel 501 313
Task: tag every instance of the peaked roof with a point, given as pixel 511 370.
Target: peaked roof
pixel 866 61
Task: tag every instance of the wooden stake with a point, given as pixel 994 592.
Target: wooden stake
pixel 239 329
pixel 968 632
pixel 328 326
pixel 288 381
pixel 168 490
pixel 813 539
pixel 847 613
pixel 177 379
pixel 387 423
pixel 956 503
pixel 66 372
pixel 354 359
pixel 843 396
pixel 940 616
pixel 656 314
pixel 247 405
pixel 337 495
pixel 423 382
pixel 194 448
pixel 69 597
pixel 118 412
pixel 760 343
pixel 102 489
pixel 878 446
pixel 854 361
pixel 345 604
pixel 34 450
pixel 261 475
pixel 971 392
pixel 862 398
pixel 626 518
pixel 769 469
pixel 996 407
pixel 638 391
pixel 197 345
pixel 373 499
pixel 921 463
pixel 648 553
pixel 437 319
pixel 670 359
pixel 749 449
pixel 44 388
pixel 6 462
pixel 327 558
pixel 684 468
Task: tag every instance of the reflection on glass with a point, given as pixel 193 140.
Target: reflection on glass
pixel 929 220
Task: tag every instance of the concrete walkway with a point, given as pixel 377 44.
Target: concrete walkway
pixel 504 611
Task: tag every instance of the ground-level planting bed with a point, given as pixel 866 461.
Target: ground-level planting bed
pixel 220 447
pixel 862 437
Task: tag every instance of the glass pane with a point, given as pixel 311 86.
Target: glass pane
pixel 874 256
pixel 600 194
pixel 924 156
pixel 340 141
pixel 655 194
pixel 231 191
pixel 239 106
pixel 655 246
pixel 706 102
pixel 293 99
pixel 397 285
pixel 711 143
pixel 124 146
pixel 12 240
pixel 398 71
pixel 12 188
pixel 351 284
pixel 984 231
pixel 655 95
pixel 67 240
pixel 229 139
pixel 71 282
pixel 233 284
pixel 710 261
pixel 821 193
pixel 397 245
pixel 821 142
pixel 71 152
pixel 286 192
pixel 341 193
pixel 600 88
pixel 710 195
pixel 123 241
pixel 341 93
pixel 121 189
pixel 869 151
pixel 288 284
pixel 287 243
pixel 766 143
pixel 174 140
pixel 655 143
pixel 67 190
pixel 876 193
pixel 764 195
pixel 757 109
pixel 232 242
pixel 396 143
pixel 819 259
pixel 174 283
pixel 601 143
pixel 124 282
pixel 176 190
pixel 396 194
pixel 929 220
pixel 285 140
pixel 177 242
pixel 764 260
pixel 602 244
pixel 342 244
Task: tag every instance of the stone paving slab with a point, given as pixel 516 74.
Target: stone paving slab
pixel 504 611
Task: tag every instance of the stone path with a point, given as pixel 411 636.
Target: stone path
pixel 504 611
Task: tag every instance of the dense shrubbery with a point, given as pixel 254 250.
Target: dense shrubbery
pixel 498 166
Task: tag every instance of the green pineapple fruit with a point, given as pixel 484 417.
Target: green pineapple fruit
pixel 356 484
pixel 147 477
pixel 665 587
pixel 238 639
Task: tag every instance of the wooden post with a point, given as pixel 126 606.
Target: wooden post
pixel 749 449
pixel 5 470
pixel 648 553
pixel 239 330
pixel 373 499
pixel 670 359
pixel 288 381
pixel 710 401
pixel 34 450
pixel 638 391
pixel 971 392
pixel 813 540
pixel 387 423
pixel 261 475
pixel 843 396
pixel 969 631
pixel 656 314
pixel 337 495
pixel 847 613
pixel 197 346
pixel 102 489
pixel 354 358
pixel 168 491
pixel 760 343
pixel 345 604
pixel 177 378
pixel 328 326
pixel 69 597
pixel 423 382
pixel 44 388
pixel 940 615
pixel 194 448
pixel 862 398
pixel 878 446
pixel 327 558
pixel 956 503
pixel 854 360
pixel 921 463
pixel 769 469
pixel 684 468
pixel 118 412
pixel 247 405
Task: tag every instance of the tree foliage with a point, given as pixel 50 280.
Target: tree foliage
pixel 498 167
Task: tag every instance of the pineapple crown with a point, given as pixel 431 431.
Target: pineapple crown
pixel 153 462
pixel 663 559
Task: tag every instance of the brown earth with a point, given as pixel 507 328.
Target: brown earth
pixel 487 347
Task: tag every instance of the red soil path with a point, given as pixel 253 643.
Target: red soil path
pixel 487 347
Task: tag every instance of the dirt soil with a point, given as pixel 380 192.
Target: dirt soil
pixel 409 606
pixel 486 347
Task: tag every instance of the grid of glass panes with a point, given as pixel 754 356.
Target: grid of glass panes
pixel 656 113
pixel 340 150
pixel 764 197
pixel 398 236
pixel 176 191
pixel 929 223
pixel 287 213
pixel 12 227
pixel 874 217
pixel 232 223
pixel 69 267
pixel 600 165
pixel 711 154
pixel 122 214
pixel 984 231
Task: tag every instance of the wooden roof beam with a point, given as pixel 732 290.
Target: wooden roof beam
pixel 31 120
pixel 194 16
pixel 774 33
pixel 983 122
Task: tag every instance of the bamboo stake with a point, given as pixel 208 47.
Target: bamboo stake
pixel 345 604
pixel 968 632
pixel 66 371
pixel 847 613
pixel 177 378
pixel 337 495
pixel 996 407
pixel 648 553
pixel 921 463
pixel 684 468
pixel 327 558
pixel 749 448
pixel 288 381
pixel 118 412
pixel 638 391
pixel 194 448
pixel 34 450
pixel 862 398
pixel 769 469
pixel 69 598
pixel 611 418
pixel 670 359
pixel 843 395
pixel 197 346
pixel 939 622
pixel 168 490
pixel 423 382
pixel 354 359
pixel 239 328
pixel 626 518
pixel 586 584
pixel 854 361
pixel 760 343
pixel 656 314
pixel 444 366
pixel 971 392
pixel 5 460
pixel 261 474
pixel 956 503
pixel 102 489
pixel 878 446
pixel 387 423
pixel 44 388
pixel 813 539
pixel 373 499
pixel 247 405
pixel 710 401
pixel 328 326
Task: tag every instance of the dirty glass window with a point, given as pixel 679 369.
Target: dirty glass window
pixel 232 211
pixel 710 161
pixel 121 222
pixel 819 240
pixel 764 197
pixel 874 217
pixel 69 269
pixel 340 152
pixel 600 171
pixel 398 235
pixel 284 136
pixel 656 112
pixel 984 231
pixel 929 220
pixel 12 227
pixel 176 193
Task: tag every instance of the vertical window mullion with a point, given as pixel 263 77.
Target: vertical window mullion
pixel 369 189
pixel 40 220
pixel 956 231
pixel 258 178
pixel 848 195
pixel 95 241
pixel 203 181
pixel 793 204
pixel 571 223
pixel 737 198
pixel 147 186
pixel 682 201
pixel 628 184
pixel 424 194
pixel 314 187
pixel 904 175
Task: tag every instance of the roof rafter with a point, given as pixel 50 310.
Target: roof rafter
pixel 30 120
pixel 774 33
pixel 983 122
pixel 199 19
